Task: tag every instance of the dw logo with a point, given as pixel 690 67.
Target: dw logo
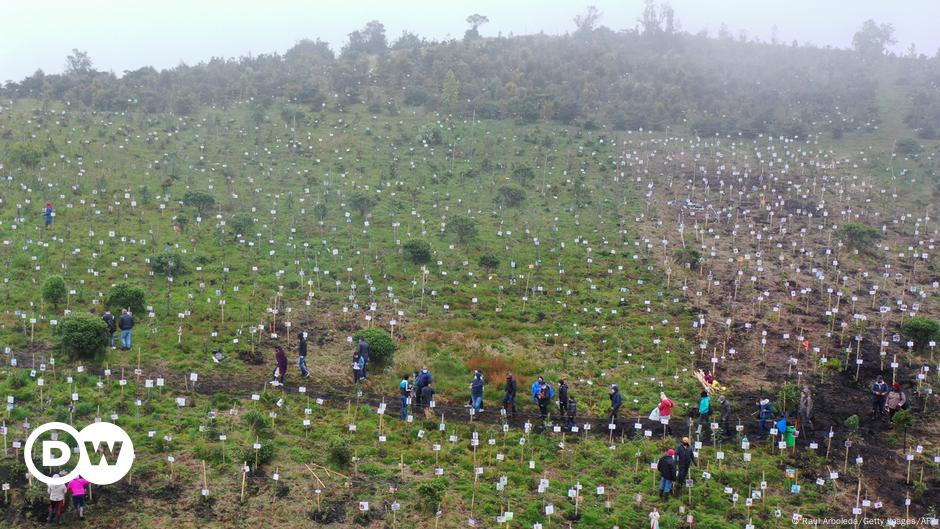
pixel 105 453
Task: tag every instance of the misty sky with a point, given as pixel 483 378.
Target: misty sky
pixel 125 35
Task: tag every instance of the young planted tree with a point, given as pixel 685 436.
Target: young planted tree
pixel 419 252
pixel 465 228
pixel 54 291
pixel 362 203
pixel 510 196
pixel 126 296
pixel 200 200
pixel 921 330
pixel 381 346
pixel 83 335
pixel 858 236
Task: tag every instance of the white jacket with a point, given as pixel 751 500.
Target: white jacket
pixel 56 492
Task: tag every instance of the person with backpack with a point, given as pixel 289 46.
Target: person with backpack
pixel 667 473
pixel 704 411
pixel 879 393
pixel 572 412
pixel 476 392
pixel 280 368
pixel 302 350
pixel 423 378
pixel 112 325
pixel 77 489
pixel 509 394
pixel 765 412
pixel 616 401
pixel 56 501
pixel 404 391
pixel 685 458
pixel 544 399
pixel 126 323
pixel 562 398
pixel 895 401
pixel 362 351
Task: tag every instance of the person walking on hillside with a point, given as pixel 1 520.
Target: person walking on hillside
pixel 362 350
pixel 476 391
pixel 280 369
pixel 562 398
pixel 302 351
pixel 685 458
pixel 616 401
pixel 895 401
pixel 423 378
pixel 805 411
pixel 879 393
pixel 56 501
pixel 667 473
pixel 572 412
pixel 509 394
pixel 126 324
pixel 111 323
pixel 404 391
pixel 704 412
pixel 765 413
pixel 77 489
pixel 725 417
pixel 49 213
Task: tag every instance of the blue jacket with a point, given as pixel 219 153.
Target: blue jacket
pixel 476 387
pixel 424 378
pixel 537 386
pixel 766 411
pixel 615 399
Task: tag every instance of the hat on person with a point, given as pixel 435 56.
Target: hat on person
pixel 895 386
pixel 671 452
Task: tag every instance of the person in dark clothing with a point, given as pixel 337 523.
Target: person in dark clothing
pixel 302 349
pixel 725 417
pixel 423 378
pixel 126 323
pixel 667 473
pixel 765 413
pixel 509 395
pixel 476 391
pixel 879 394
pixel 404 391
pixel 615 402
pixel 805 410
pixel 562 398
pixel 112 325
pixel 48 212
pixel 685 457
pixel 357 365
pixel 544 399
pixel 572 412
pixel 362 351
pixel 427 395
pixel 280 370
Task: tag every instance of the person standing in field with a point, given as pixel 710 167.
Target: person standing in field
pixel 509 394
pixel 725 417
pixel 616 401
pixel 425 398
pixel 562 398
pixel 895 401
pixel 112 325
pixel 805 411
pixel 476 391
pixel 654 518
pixel 280 370
pixel 362 350
pixel 357 366
pixel 685 458
pixel 765 412
pixel 77 489
pixel 56 501
pixel 667 473
pixel 704 412
pixel 879 393
pixel 49 213
pixel 665 411
pixel 572 411
pixel 126 324
pixel 404 393
pixel 302 350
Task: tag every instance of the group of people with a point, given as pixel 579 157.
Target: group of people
pixel 887 401
pixel 125 322
pixel 280 359
pixel 420 395
pixel 57 493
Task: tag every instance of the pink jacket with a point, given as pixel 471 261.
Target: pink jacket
pixel 77 486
